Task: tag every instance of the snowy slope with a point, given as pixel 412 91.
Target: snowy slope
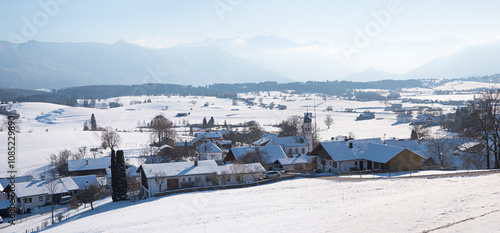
pixel 302 205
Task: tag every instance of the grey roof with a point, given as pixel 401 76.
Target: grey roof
pixel 93 164
pixel 4 182
pixel 269 153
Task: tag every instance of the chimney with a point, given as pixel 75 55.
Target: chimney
pixel 350 145
pixel 196 163
pixel 87 162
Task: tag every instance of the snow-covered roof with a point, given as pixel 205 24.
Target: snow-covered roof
pixel 288 141
pixel 179 168
pixel 381 153
pixel 341 151
pixel 413 145
pixel 89 164
pixel 207 135
pixel 209 147
pixel 68 183
pixel 39 187
pixel 85 181
pixel 292 161
pixel 4 182
pixel 241 168
pixel 269 153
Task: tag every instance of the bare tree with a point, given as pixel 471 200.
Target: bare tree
pixel 52 187
pixel 90 194
pixel 110 138
pixel 328 121
pixel 422 132
pixel 441 148
pixel 59 162
pixel 292 126
pixel 163 129
pixel 160 179
pixel 95 151
pixel 82 151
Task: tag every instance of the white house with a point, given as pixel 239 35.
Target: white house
pixel 34 194
pixel 209 151
pixel 178 175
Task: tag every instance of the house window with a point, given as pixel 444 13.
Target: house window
pixel 228 179
pixel 183 179
pixel 238 178
pixel 335 164
pixel 303 150
pixel 355 162
pixel 296 150
pixel 290 151
pixel 40 198
pixel 208 179
pixel 27 200
pixel 189 179
pixel 198 178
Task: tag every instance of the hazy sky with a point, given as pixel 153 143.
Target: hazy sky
pixel 160 23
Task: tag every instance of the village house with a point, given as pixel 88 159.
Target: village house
pixel 160 177
pixel 342 156
pixel 427 119
pixel 291 144
pixel 366 154
pixel 82 167
pixel 392 158
pixel 33 194
pixel 404 118
pixel 297 164
pixel 83 182
pixel 209 151
pixel 267 155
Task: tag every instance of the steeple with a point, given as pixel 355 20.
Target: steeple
pixel 307 129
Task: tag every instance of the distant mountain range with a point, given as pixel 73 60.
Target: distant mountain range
pixel 56 65
pixel 48 65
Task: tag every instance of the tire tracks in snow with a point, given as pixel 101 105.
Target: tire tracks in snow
pixel 461 221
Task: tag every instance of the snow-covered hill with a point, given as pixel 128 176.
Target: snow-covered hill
pixel 302 205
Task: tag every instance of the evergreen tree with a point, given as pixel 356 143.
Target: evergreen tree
pixel 205 124
pixel 414 135
pixel 93 123
pixel 114 175
pixel 225 124
pixel 121 179
pixel 211 122
pixel 191 130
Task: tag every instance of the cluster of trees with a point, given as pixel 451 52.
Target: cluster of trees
pixel 208 124
pixel 374 96
pixel 90 125
pixel 163 130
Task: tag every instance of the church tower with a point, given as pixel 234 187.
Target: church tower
pixel 308 134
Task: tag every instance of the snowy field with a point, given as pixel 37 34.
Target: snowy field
pixel 50 128
pixel 302 205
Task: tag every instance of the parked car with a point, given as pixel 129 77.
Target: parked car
pixel 1 219
pixel 65 200
pixel 271 174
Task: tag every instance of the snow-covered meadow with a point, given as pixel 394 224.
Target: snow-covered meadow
pixel 50 128
pixel 302 205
